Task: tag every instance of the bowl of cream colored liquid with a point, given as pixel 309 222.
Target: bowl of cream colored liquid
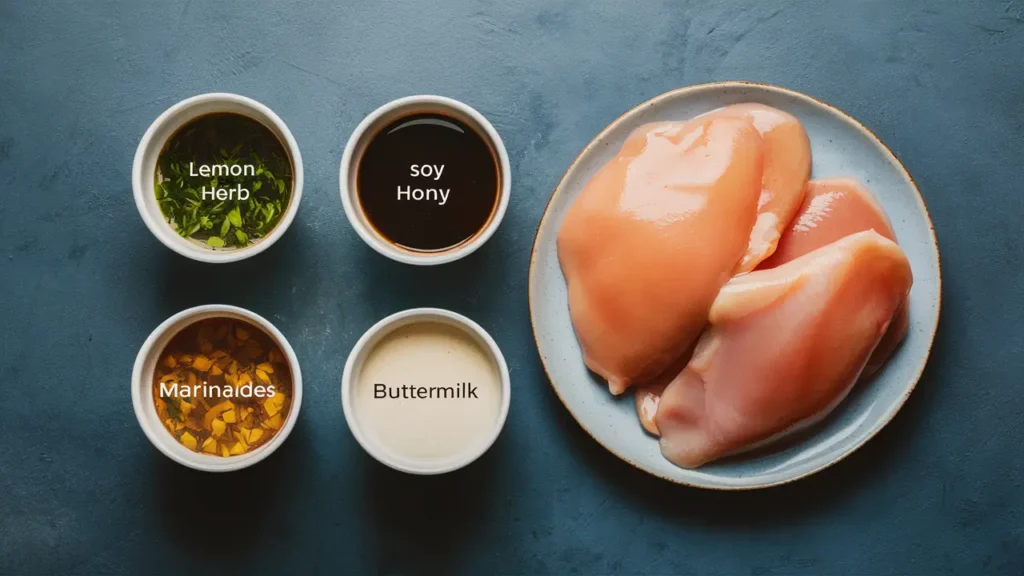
pixel 425 391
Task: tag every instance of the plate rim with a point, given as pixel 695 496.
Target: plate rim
pixel 856 125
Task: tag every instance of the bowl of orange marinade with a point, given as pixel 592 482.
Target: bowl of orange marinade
pixel 216 388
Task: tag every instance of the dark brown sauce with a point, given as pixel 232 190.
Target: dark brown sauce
pixel 449 210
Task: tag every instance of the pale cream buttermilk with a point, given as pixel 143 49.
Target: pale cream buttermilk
pixel 428 391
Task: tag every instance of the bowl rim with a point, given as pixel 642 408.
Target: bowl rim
pixel 158 225
pixel 395 109
pixel 357 356
pixel 145 412
pixel 713 86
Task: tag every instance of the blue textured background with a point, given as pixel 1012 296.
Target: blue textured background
pixel 83 282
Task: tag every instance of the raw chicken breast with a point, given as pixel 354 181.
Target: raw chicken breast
pixel 784 347
pixel 647 398
pixel 652 238
pixel 787 166
pixel 833 208
pixel 648 394
pixel 890 341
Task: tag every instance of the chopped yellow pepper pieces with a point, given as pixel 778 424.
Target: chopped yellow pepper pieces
pixel 243 379
pixel 237 449
pixel 169 361
pixel 271 407
pixel 274 421
pixel 189 441
pixel 224 451
pixel 229 416
pixel 210 446
pixel 217 427
pixel 202 363
pixel 266 367
pixel 254 435
pixel 263 377
pixel 215 411
pixel 279 398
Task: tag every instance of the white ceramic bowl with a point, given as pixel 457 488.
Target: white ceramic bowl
pixel 361 138
pixel 148 152
pixel 142 390
pixel 354 365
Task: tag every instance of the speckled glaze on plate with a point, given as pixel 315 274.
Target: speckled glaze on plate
pixel 841 147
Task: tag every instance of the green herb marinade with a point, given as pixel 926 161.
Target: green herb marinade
pixel 229 139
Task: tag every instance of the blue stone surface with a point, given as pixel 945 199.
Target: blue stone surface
pixel 83 282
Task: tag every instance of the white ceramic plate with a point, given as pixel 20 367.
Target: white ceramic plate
pixel 841 147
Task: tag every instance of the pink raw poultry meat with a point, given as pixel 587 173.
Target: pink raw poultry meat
pixel 652 238
pixel 831 209
pixel 834 208
pixel 784 347
pixel 787 166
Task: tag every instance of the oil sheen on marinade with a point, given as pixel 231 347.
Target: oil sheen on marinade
pixel 455 206
pixel 425 358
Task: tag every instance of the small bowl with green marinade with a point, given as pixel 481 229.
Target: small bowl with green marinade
pixel 218 177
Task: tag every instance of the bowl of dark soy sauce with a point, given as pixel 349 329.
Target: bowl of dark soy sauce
pixel 425 180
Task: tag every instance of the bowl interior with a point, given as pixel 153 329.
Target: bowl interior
pixel 149 153
pixel 840 147
pixel 145 409
pixel 353 370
